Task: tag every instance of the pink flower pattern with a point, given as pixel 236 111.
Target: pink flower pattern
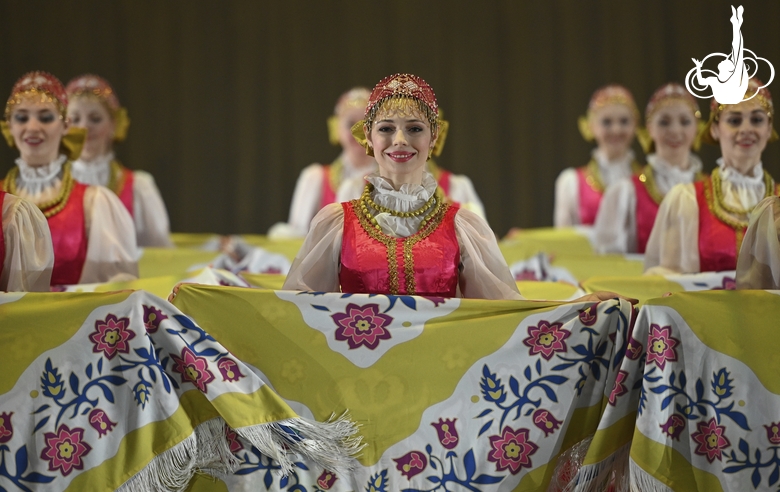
pixel 772 433
pixel 711 440
pixel 326 479
pixel 589 315
pixel 447 433
pixel 619 389
pixel 362 326
pixel 229 369
pixel 65 449
pixel 511 450
pixel 6 428
pixel 544 420
pixel 152 318
pixel 193 369
pixel 411 463
pixel 546 339
pixel 674 426
pixel 100 422
pixel 661 346
pixel 233 441
pixel 111 336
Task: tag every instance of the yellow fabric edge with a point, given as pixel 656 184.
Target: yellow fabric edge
pixel 608 441
pixel 641 287
pixel 652 456
pixel 43 310
pixel 756 309
pixel 243 410
pixel 133 454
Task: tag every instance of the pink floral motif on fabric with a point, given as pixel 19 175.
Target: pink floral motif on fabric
pixel 362 326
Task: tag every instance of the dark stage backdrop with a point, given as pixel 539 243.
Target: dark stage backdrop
pixel 228 99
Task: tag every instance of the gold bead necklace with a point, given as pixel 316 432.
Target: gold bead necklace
pixel 50 207
pixel 718 192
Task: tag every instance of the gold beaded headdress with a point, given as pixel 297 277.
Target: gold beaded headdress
pixel 354 98
pixel 93 86
pixel 758 93
pixel 396 93
pixel 46 88
pixel 665 95
pixel 610 94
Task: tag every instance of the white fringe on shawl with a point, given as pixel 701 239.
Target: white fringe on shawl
pixel 598 476
pixel 641 481
pixel 332 444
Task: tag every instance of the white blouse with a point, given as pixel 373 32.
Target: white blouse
pixel 307 196
pixel 461 192
pixel 483 270
pixel 673 246
pixel 615 228
pixel 758 264
pixel 567 186
pixel 111 243
pixel 29 257
pixel 152 227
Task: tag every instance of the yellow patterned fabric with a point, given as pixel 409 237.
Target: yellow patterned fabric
pixel 474 394
pixel 122 391
pixel 696 401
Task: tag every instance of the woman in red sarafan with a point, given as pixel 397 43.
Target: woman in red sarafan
pixel 92 234
pixel 93 105
pixel 700 226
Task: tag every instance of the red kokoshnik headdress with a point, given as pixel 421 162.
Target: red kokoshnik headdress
pixel 667 94
pixel 757 93
pixel 401 86
pixel 99 88
pixel 42 84
pixel 609 94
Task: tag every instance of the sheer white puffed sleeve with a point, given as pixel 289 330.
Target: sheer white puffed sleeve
pixel 615 228
pixel 462 191
pixel 316 267
pixel 152 227
pixel 758 265
pixel 567 199
pixel 111 248
pixel 484 273
pixel 305 204
pixel 29 257
pixel 673 246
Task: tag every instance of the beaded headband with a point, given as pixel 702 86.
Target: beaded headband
pixel 354 98
pixel 397 92
pixel 99 88
pixel 667 94
pixel 755 92
pixel 403 86
pixel 609 94
pixel 42 85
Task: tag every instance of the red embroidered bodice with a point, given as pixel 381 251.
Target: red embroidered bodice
pixel 69 239
pixel 125 194
pixel 425 263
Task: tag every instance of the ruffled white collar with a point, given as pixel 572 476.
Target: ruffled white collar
pixel 756 176
pixel 612 171
pixel 39 174
pixel 408 197
pixel 667 175
pixel 96 172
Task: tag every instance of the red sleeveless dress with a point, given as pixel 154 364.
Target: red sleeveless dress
pixel 425 263
pixel 590 197
pixel 69 239
pixel 646 210
pixel 328 193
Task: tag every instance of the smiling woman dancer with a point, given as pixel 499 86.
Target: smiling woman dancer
pixel 401 237
pixel 93 105
pixel 699 227
pixel 611 121
pixel 92 233
pixel 629 207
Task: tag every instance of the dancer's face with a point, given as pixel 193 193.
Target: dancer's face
pixel 37 129
pixel 673 129
pixel 89 113
pixel 613 127
pixel 401 138
pixel 743 131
